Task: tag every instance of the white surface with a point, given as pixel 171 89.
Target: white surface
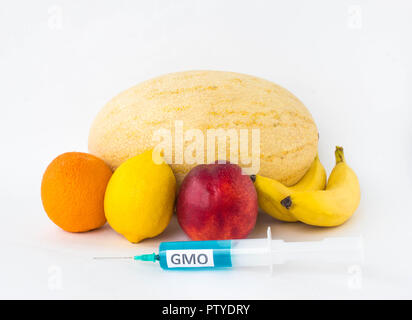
pixel 350 65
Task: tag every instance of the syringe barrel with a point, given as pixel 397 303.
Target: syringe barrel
pixel 250 252
pixel 256 252
pixel 214 254
pixel 195 254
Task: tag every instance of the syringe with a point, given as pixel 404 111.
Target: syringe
pixel 211 254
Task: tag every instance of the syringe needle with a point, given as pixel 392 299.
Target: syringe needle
pixel 143 257
pixel 111 258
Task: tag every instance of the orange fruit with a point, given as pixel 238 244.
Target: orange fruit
pixel 72 191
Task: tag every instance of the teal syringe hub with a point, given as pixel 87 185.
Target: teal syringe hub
pixel 147 257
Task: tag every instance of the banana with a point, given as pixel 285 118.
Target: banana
pixel 314 179
pixel 271 192
pixel 330 207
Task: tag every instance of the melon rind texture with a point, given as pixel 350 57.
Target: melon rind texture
pixel 209 100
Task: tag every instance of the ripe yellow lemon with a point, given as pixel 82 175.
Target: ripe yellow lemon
pixel 140 197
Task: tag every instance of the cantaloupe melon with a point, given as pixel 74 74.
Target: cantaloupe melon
pixel 209 100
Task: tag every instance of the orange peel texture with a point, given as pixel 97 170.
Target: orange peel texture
pixel 72 191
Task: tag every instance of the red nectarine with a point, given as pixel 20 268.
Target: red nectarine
pixel 217 202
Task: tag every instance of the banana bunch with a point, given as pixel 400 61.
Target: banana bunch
pixel 308 201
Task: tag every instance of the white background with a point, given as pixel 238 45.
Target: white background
pixel 348 61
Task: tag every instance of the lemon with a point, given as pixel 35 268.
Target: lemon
pixel 139 198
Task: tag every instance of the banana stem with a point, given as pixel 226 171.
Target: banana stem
pixel 339 155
